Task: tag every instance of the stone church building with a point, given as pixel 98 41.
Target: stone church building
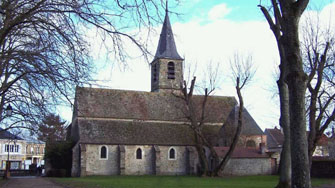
pixel 121 132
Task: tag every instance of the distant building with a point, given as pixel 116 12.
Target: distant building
pixel 35 151
pixel 275 141
pixel 21 153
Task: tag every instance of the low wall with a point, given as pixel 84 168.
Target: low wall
pixel 248 166
pixel 323 168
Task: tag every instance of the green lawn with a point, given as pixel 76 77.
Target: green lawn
pixel 175 181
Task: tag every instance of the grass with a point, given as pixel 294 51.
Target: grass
pixel 2 181
pixel 175 181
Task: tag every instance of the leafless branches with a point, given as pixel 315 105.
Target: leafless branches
pixel 318 56
pixel 242 69
pixel 44 51
pixel 242 73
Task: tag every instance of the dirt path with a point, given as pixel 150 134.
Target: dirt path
pixel 29 182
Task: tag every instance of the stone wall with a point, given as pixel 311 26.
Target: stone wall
pixel 75 170
pixel 155 160
pixel 121 159
pixel 177 166
pixel 97 166
pixel 248 166
pixel 162 81
pixel 142 166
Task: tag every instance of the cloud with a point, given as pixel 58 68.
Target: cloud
pixel 218 12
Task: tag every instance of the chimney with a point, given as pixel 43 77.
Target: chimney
pixel 262 148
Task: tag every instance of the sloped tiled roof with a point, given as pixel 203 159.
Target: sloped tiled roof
pixel 137 132
pixel 124 104
pixel 249 127
pixel 7 135
pixel 275 137
pixel 137 117
pixel 240 152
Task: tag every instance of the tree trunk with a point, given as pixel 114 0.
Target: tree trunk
pixel 287 14
pixel 228 155
pixel 299 153
pixel 285 155
pixel 202 156
pixel 312 126
pixel 296 81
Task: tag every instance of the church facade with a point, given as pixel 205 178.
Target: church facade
pixel 121 132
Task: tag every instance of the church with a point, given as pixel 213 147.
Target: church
pixel 124 132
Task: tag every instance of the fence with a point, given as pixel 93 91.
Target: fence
pixel 19 173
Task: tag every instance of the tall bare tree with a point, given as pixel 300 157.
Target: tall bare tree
pixel 242 74
pixel 196 123
pixel 285 27
pixel 44 49
pixel 319 63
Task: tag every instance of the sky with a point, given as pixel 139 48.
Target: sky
pixel 211 31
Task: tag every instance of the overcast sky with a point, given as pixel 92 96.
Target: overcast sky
pixel 212 31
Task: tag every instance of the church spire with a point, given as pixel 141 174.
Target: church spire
pixel 166 45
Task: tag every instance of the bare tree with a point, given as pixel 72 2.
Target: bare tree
pixel 284 26
pixel 242 74
pixel 44 51
pixel 197 124
pixel 318 51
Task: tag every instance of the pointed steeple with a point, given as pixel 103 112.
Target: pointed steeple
pixel 166 45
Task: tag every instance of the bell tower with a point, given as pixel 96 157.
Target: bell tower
pixel 167 66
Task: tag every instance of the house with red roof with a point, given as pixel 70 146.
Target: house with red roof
pixel 275 140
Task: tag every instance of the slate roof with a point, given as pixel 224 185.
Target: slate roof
pixel 249 127
pixel 275 138
pixel 166 46
pixel 138 133
pixel 240 152
pixel 140 105
pixel 137 117
pixel 7 135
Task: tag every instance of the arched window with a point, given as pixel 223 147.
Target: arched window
pixel 171 74
pixel 172 154
pixel 139 153
pixel 251 144
pixel 103 152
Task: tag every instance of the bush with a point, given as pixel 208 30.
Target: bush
pixel 59 156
